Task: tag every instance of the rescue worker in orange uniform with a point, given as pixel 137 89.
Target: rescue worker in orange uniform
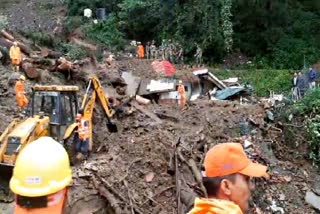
pixel 182 93
pixel 82 144
pixel 19 88
pixel 227 179
pixel 41 177
pixel 15 56
pixel 140 51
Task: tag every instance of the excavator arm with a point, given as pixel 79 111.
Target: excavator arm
pixel 94 91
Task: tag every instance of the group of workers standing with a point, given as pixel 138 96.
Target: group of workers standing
pixel 300 83
pixel 20 91
pixel 168 50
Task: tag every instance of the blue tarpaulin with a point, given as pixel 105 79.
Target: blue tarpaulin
pixel 228 92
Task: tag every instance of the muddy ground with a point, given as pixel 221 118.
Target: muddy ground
pixel 129 170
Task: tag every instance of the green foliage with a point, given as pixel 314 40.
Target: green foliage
pixel 308 111
pixel 227 24
pixel 3 23
pixel 72 23
pixel 314 139
pixel 39 38
pixel 262 81
pixel 105 33
pixel 309 103
pixel 276 34
pixel 73 51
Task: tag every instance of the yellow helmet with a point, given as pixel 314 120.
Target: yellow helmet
pixel 42 168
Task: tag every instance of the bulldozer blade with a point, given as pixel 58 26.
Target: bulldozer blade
pixel 112 127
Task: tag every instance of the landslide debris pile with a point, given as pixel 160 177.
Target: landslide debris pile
pixel 132 170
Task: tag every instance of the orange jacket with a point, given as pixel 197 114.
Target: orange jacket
pixel 56 204
pixel 140 51
pixel 19 88
pixel 15 53
pixel 181 90
pixel 83 129
pixel 214 206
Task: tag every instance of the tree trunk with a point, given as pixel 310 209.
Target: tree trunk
pixel 7 43
pixel 7 35
pixel 45 52
pixel 30 70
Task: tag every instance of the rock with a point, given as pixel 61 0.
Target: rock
pixel 313 200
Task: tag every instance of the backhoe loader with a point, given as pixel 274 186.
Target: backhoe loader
pixel 52 112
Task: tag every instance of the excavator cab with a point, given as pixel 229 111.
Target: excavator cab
pixel 59 103
pixel 52 112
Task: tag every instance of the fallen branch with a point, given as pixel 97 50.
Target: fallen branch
pixel 7 43
pixel 158 193
pixel 108 195
pixel 45 52
pixel 147 112
pixel 197 175
pixel 171 165
pixel 292 125
pixel 178 184
pixel 127 170
pixel 7 35
pixel 116 193
pixel 130 200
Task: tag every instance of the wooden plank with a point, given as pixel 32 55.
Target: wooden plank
pixel 147 112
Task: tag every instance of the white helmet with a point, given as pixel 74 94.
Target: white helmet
pixel 180 81
pixel 22 78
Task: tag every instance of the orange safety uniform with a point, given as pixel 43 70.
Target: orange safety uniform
pixel 22 100
pixel 140 51
pixel 55 205
pixel 15 55
pixel 83 129
pixel 182 93
pixel 214 206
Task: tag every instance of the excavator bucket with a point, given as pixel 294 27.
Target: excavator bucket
pixel 112 127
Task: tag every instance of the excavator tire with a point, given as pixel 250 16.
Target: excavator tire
pixel 70 146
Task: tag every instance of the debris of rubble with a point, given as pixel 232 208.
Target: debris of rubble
pixel 313 200
pixel 275 209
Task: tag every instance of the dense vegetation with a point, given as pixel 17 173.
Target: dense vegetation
pixel 276 34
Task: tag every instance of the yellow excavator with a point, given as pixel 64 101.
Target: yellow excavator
pixel 52 112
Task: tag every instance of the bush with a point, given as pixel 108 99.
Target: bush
pixel 307 110
pixel 314 137
pixel 106 33
pixel 73 51
pixel 72 23
pixel 310 103
pixel 42 39
pixel 262 81
pixel 3 23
